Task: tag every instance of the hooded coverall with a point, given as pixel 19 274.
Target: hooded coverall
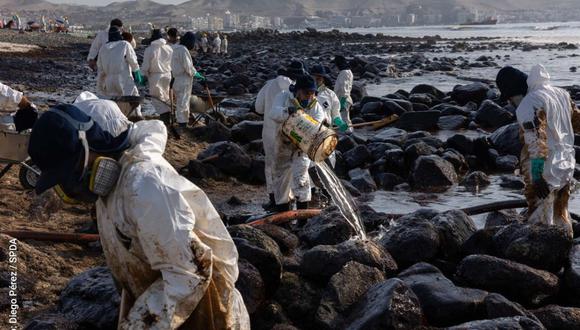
pixel 217 44
pixel 157 67
pixel 105 112
pixel 331 105
pixel 166 244
pixel 342 88
pixel 264 103
pixel 544 116
pixel 100 39
pixel 183 72
pixel 291 178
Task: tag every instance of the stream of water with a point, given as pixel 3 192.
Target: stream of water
pixel 341 198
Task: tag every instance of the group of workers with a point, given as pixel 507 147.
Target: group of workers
pixel 294 89
pixel 162 238
pixel 215 45
pixel 165 61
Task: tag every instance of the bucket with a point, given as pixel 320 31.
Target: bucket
pixel 314 139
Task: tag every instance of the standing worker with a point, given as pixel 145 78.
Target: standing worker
pixel 183 73
pixel 291 178
pixel 217 44
pixel 172 37
pixel 544 114
pixel 225 44
pixel 327 98
pixel 116 63
pixel 264 103
pixel 163 240
pixel 204 43
pixel 343 87
pixel 27 113
pixel 100 39
pixel 157 66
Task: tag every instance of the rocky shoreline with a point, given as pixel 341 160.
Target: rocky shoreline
pixel 424 270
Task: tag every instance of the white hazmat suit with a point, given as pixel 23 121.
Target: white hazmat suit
pixel 264 103
pixel 9 97
pixel 331 105
pixel 545 116
pixel 157 67
pixel 342 88
pixel 291 178
pixel 166 244
pixel 217 44
pixel 105 112
pixel 100 39
pixel 183 72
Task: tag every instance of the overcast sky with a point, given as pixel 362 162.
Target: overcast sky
pixel 106 2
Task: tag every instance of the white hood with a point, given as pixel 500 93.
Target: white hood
pixel 159 43
pixel 538 78
pixel 148 139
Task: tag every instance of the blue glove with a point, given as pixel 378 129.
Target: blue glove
pixel 342 126
pixel 138 78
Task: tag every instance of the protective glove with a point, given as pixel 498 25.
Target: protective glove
pixel 199 76
pixel 541 187
pixel 25 117
pixel 138 78
pixel 342 126
pixel 343 103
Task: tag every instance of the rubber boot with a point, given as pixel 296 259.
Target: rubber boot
pixel 271 205
pixel 282 207
pixel 165 118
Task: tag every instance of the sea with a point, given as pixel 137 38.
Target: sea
pixel 557 62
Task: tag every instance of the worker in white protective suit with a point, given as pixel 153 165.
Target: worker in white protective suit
pixel 204 43
pixel 105 112
pixel 183 73
pixel 291 178
pixel 117 63
pixel 544 114
pixel 263 105
pixel 217 44
pixel 157 66
pixel 100 39
pixel 225 44
pixel 343 87
pixel 162 238
pixel 27 113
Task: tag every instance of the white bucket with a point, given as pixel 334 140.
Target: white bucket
pixel 314 139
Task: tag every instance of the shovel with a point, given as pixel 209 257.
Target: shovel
pixel 377 124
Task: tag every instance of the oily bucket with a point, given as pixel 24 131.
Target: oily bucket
pixel 314 139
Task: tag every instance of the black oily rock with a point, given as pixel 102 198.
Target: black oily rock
pixel 378 149
pixel 362 180
pixel 475 92
pixel 416 150
pixel 512 182
pixel 388 305
pixel 506 140
pixel 429 140
pixel 481 242
pixel 350 188
pixel 285 239
pixel 421 98
pixel 538 246
pixel 388 181
pixel 213 132
pixel 511 323
pixel 346 143
pixel 91 299
pixel 51 321
pixel 394 161
pixel 200 170
pixel 247 131
pixel 392 107
pixel 269 264
pixel 328 228
pixel 342 292
pixel 257 173
pixel 269 315
pixel 323 261
pixel 454 157
pixel 428 89
pixel 514 280
pixel 502 218
pixel 498 306
pixel 298 298
pixel 411 239
pixel 476 179
pixel 372 108
pixel 357 156
pixel 453 122
pixel 390 135
pixel 454 228
pixel 507 163
pixel 492 115
pixel 559 317
pixel 572 274
pixel 420 107
pixel 447 109
pixel 231 158
pixel 433 172
pixel 444 304
pixel 250 285
pixel 418 121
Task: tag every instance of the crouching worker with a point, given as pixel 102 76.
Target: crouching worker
pixel 290 173
pixel 163 239
pixel 544 114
